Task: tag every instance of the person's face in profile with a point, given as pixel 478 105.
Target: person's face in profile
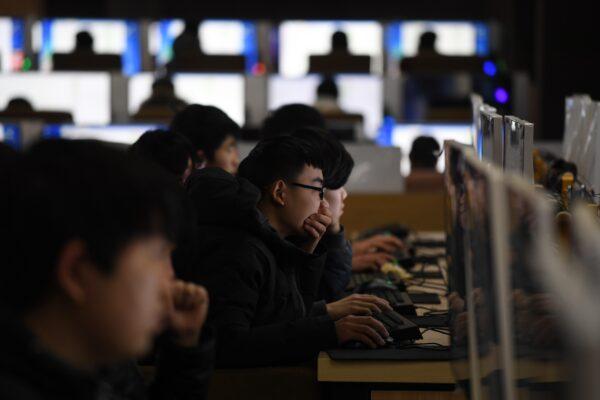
pixel 226 156
pixel 299 203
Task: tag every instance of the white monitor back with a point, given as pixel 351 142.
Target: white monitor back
pixel 224 91
pixel 86 95
pixel 122 134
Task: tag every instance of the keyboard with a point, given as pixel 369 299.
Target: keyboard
pixel 400 301
pixel 399 327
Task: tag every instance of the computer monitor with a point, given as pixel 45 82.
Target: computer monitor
pixel 491 139
pixel 121 134
pixel 225 91
pixel 111 36
pixel 12 44
pixel 518 147
pixel 486 264
pixel 540 277
pixel 10 134
pixel 454 38
pixel 358 94
pixel 300 39
pixel 456 240
pixel 86 95
pixel 217 37
pixel 574 108
pixel 403 135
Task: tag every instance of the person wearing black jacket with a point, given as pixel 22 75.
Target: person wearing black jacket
pixel 263 287
pixel 87 282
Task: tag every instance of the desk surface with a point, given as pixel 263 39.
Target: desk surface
pixel 432 372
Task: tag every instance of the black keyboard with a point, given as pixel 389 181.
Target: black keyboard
pixel 399 327
pixel 400 301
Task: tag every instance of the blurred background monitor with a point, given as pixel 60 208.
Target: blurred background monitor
pixel 111 37
pixel 225 91
pixel 121 134
pixel 298 40
pixel 12 45
pixel 358 94
pixel 454 38
pixel 403 136
pixel 217 37
pixel 85 95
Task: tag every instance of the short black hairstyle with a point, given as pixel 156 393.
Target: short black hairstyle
pixel 79 190
pixel 427 40
pixel 281 157
pixel 169 150
pixel 206 127
pixel 328 87
pixel 163 81
pixel 339 41
pixel 84 40
pixel 290 117
pixel 424 152
pixel 19 104
pixel 337 162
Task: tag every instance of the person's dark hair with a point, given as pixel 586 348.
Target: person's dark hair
pixel 337 162
pixel 19 104
pixel 84 41
pixel 191 26
pixel 164 81
pixel 169 150
pixel 206 127
pixel 339 41
pixel 424 152
pixel 427 41
pixel 290 117
pixel 328 88
pixel 281 157
pixel 79 190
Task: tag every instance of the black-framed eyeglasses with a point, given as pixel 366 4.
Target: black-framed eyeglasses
pixel 321 190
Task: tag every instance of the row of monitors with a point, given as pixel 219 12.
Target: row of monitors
pixel 403 136
pixel 297 40
pixel 505 141
pixel 523 297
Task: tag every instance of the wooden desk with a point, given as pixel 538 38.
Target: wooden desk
pixel 435 379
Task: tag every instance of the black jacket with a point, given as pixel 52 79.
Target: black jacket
pixel 338 266
pixel 29 373
pixel 262 287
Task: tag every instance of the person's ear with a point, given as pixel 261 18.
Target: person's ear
pixel 279 193
pixel 73 270
pixel 201 158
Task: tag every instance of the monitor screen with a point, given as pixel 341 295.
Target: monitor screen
pixel 122 134
pixel 225 91
pixel 300 39
pixel 12 44
pixel 360 94
pixel 110 37
pixel 86 95
pixel 217 37
pixel 454 38
pixel 403 136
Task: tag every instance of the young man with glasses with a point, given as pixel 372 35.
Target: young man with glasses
pixel 264 287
